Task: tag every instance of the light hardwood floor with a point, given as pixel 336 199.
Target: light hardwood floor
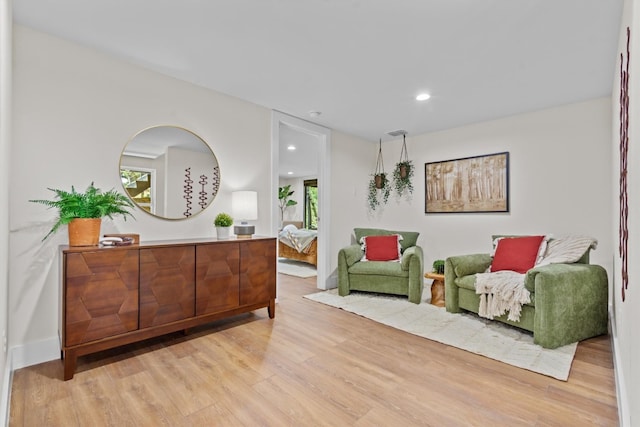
pixel 312 365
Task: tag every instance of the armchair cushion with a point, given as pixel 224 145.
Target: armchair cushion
pixel 409 238
pixel 379 268
pixel 516 253
pixel 381 248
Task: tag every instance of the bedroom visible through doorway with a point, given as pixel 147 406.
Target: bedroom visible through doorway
pixel 298 193
pixel 301 160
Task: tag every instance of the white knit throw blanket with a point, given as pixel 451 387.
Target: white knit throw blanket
pixel 500 292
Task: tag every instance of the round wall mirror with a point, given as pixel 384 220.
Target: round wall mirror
pixel 169 172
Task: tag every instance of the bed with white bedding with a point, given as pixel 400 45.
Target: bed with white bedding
pixel 299 244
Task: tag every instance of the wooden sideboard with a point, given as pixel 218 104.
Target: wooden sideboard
pixel 114 296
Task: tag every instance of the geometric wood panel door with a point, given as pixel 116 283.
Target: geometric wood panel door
pixel 217 280
pixel 257 269
pixel 167 285
pixel 101 297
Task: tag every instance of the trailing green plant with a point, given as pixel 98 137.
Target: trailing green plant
pixel 378 193
pixel 379 187
pixel 93 203
pixel 438 266
pixel 403 171
pixel 402 175
pixel 284 194
pixel 223 220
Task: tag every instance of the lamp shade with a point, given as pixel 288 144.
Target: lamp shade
pixel 244 205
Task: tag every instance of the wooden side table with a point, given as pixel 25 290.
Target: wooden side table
pixel 437 288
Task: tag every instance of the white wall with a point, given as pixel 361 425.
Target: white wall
pixel 560 178
pixel 5 173
pixel 352 161
pixel 626 315
pixel 74 111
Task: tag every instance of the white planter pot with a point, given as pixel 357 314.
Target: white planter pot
pixel 223 233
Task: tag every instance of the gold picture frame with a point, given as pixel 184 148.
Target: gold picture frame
pixel 468 185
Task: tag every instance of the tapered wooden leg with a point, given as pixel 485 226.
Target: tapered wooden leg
pixel 70 360
pixel 272 308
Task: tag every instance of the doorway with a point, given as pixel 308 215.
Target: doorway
pixel 282 124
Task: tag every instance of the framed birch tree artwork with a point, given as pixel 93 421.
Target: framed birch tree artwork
pixel 470 184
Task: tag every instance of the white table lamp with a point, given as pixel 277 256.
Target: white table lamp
pixel 244 205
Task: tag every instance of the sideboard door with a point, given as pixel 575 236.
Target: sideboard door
pixel 217 279
pixel 167 285
pixel 100 295
pixel 257 271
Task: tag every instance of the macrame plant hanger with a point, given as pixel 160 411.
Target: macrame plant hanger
pixel 380 176
pixel 404 158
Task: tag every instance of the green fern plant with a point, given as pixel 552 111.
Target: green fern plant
pixel 93 203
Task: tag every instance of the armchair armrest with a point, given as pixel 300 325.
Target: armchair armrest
pixel 560 274
pixel 459 266
pixel 414 254
pixel 464 265
pixel 571 302
pixel 351 254
pixel 413 260
pixel 347 256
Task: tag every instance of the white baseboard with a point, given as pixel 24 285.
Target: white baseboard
pixel 34 353
pixel 621 389
pixel 7 379
pixel 332 281
pixel 21 357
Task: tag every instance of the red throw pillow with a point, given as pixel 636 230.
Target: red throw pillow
pixel 382 248
pixel 516 253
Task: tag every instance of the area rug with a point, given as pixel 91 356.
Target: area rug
pixel 465 331
pixel 296 268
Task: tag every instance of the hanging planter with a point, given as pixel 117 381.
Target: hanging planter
pixel 379 187
pixel 403 172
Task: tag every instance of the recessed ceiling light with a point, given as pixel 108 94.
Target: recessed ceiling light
pixel 289 173
pixel 423 97
pixel 291 147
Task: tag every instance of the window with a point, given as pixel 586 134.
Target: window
pixel 139 184
pixel 311 204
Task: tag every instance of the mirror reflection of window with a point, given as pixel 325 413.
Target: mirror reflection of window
pixel 169 172
pixel 139 185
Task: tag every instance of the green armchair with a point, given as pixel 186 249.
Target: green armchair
pixel 568 301
pixel 399 278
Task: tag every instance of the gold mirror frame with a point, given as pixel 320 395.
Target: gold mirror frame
pixel 169 172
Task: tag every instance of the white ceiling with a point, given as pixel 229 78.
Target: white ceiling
pixel 155 141
pixel 304 161
pixel 360 62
